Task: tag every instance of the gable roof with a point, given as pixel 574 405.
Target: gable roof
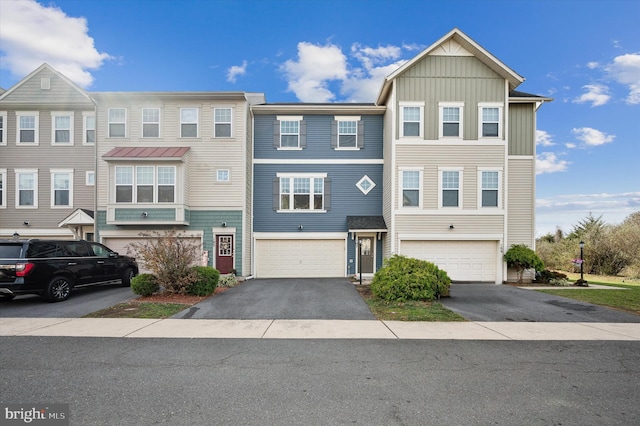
pixel 469 47
pixel 45 66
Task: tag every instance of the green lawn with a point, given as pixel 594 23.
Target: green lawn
pixel 627 300
pixel 139 310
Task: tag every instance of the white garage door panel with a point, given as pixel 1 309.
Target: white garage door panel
pixel 462 260
pixel 300 258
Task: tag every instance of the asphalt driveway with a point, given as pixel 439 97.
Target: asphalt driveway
pixel 303 298
pixel 490 302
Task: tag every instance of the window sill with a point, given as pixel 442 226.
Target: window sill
pixel 301 211
pixel 347 149
pixel 284 148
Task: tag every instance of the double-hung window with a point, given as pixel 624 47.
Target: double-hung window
pixel 3 188
pixel 153 184
pixel 222 122
pixel 61 188
pixel 117 122
pixel 411 116
pixel 289 134
pixel 3 128
pixel 450 188
pixel 411 181
pixel 26 188
pixel 89 128
pixel 489 188
pixel 303 192
pixel 27 127
pixel 150 122
pixel 188 122
pixel 62 123
pixel 347 134
pixel 490 118
pixel 451 119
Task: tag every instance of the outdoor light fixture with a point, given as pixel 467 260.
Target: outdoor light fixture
pixel 224 224
pixel 451 226
pixel 144 214
pixel 26 223
pixel 16 235
pixel 300 227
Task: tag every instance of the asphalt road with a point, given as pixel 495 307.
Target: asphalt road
pixel 81 302
pixel 325 382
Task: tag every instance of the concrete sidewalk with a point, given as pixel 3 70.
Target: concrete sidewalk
pixel 315 329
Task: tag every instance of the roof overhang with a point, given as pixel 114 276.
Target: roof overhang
pixel 366 224
pixel 146 153
pixel 80 217
pixel 303 108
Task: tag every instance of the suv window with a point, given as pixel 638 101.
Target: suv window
pixel 100 251
pixel 75 249
pixel 11 251
pixel 41 249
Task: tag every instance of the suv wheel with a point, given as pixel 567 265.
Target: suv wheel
pixel 127 276
pixel 58 289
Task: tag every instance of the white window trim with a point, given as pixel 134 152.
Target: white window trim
pixel 368 190
pixel 420 187
pixel 228 176
pixel 500 107
pixel 340 118
pixel 500 184
pixel 460 171
pixel 3 137
pixel 86 114
pixel 142 123
pixel 230 123
pixel 321 176
pixel 90 178
pixel 282 118
pixel 55 114
pixel 61 171
pixel 117 122
pixel 36 137
pixel 18 172
pixel 412 104
pixel 441 107
pixel 3 196
pixel 134 185
pixel 197 123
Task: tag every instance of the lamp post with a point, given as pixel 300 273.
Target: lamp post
pixel 581 262
pixel 360 258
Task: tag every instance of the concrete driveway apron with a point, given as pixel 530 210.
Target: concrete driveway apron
pixel 490 302
pixel 303 298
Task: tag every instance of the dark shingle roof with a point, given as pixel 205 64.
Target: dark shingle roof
pixel 364 223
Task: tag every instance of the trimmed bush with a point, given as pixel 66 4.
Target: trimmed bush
pixel 206 281
pixel 144 284
pixel 228 280
pixel 520 257
pixel 404 278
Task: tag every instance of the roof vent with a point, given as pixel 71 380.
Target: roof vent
pixel 45 83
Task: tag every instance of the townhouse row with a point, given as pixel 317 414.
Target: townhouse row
pixel 440 167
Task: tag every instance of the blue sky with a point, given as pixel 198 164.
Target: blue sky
pixel 584 54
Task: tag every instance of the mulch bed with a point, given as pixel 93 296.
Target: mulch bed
pixel 182 299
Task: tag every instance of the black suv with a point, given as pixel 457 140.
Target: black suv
pixel 52 268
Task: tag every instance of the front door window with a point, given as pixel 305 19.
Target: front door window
pixel 365 256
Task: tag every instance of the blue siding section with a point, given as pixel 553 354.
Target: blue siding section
pixel 346 198
pixel 318 139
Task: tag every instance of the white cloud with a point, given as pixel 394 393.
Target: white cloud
pixel 236 70
pixel 316 66
pixel 593 65
pixel 597 94
pixel 625 69
pixel 543 138
pixel 358 77
pixel 570 145
pixel 565 211
pixel 32 34
pixel 592 137
pixel 548 162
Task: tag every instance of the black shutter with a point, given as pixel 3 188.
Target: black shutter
pixel 276 194
pixel 334 134
pixel 360 141
pixel 276 134
pixel 327 193
pixel 303 134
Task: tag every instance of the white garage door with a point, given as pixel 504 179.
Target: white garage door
pixel 300 258
pixel 462 260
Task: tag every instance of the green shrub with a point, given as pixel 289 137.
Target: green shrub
pixel 228 280
pixel 547 276
pixel 144 284
pixel 404 278
pixel 520 257
pixel 206 281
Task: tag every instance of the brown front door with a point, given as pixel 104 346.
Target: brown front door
pixel 224 253
pixel 366 255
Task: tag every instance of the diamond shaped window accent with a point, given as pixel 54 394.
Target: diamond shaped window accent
pixel 365 184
